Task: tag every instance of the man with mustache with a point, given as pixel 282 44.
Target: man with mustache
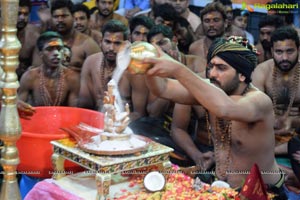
pixel 51 83
pixel 27 35
pixel 279 79
pixel 104 14
pixel 81 15
pixel 62 22
pixel 240 116
pixel 214 22
pixel 267 25
pixel 98 68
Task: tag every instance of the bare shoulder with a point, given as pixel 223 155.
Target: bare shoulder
pixel 260 98
pixel 196 43
pixel 82 39
pixel 92 61
pixel 265 66
pixel 30 75
pixel 71 74
pixel 196 63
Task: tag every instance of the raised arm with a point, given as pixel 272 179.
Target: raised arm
pixel 255 103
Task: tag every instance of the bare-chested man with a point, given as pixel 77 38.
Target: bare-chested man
pixel 279 79
pixel 182 8
pixel 104 14
pixel 50 84
pixel 98 69
pixel 184 34
pixel 81 15
pixel 157 124
pixel 266 26
pixel 27 35
pixel 81 45
pixel 213 17
pixel 240 115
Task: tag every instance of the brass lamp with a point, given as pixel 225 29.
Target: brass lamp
pixel 10 128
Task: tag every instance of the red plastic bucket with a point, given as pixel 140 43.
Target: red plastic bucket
pixel 34 146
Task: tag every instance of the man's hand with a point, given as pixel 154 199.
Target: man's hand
pixel 204 160
pixel 25 110
pixel 131 12
pixel 164 66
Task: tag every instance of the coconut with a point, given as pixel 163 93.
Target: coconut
pixel 220 184
pixel 139 51
pixel 154 181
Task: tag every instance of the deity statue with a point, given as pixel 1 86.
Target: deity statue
pixel 114 121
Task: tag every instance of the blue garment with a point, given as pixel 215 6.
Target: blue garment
pixel 142 4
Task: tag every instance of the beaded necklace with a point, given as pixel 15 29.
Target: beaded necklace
pixel 293 88
pixel 105 74
pixel 44 92
pixel 222 142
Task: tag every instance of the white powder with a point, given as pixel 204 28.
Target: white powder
pixel 114 145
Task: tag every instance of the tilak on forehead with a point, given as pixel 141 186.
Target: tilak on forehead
pixel 143 30
pixel 55 43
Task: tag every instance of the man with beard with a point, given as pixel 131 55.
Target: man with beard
pixel 279 79
pixel 81 15
pixel 214 22
pixel 182 8
pixel 267 26
pixel 81 45
pixel 184 34
pixel 50 84
pixel 27 35
pixel 98 68
pixel 240 116
pixel 104 14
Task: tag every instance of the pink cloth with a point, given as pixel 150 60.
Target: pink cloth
pixel 49 191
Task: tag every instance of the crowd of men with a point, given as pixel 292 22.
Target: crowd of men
pixel 222 103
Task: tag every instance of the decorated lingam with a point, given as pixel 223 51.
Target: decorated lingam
pixel 116 138
pixel 114 121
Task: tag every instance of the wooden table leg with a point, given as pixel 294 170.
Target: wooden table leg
pixel 58 166
pixel 103 182
pixel 166 168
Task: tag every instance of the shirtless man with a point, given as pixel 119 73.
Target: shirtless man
pixel 81 15
pixel 104 14
pixel 184 34
pixel 27 35
pixel 133 87
pixel 213 17
pixel 50 84
pixel 81 45
pixel 279 79
pixel 139 28
pixel 240 115
pixel 182 8
pixel 266 26
pixel 98 68
pixel 157 124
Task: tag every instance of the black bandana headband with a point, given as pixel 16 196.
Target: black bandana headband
pixel 237 52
